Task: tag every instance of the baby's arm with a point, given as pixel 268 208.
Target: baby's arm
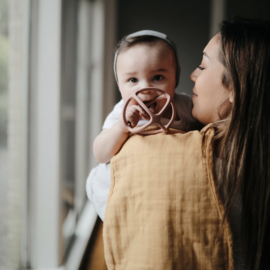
pixel 110 141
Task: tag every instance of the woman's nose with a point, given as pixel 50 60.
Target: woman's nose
pixel 194 75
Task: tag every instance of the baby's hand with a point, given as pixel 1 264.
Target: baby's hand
pixel 134 113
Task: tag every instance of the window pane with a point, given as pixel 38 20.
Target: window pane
pixel 68 107
pixel 4 46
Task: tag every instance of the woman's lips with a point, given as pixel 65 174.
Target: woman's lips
pixel 194 94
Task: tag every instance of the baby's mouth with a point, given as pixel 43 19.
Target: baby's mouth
pixel 151 104
pixel 152 107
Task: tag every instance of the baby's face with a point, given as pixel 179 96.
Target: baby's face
pixel 143 66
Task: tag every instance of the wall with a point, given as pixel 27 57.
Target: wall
pixel 249 8
pixel 185 22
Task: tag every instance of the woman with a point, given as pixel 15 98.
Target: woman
pixel 243 140
pixel 232 94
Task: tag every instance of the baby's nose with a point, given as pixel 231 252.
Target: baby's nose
pixel 147 91
pixel 145 84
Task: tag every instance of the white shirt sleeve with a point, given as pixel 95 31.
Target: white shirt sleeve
pixel 113 116
pixel 98 187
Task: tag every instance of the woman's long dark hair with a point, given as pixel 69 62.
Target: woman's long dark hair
pixel 246 143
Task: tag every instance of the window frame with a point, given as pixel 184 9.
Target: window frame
pixel 43 245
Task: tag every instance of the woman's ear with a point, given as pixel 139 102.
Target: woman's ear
pixel 231 96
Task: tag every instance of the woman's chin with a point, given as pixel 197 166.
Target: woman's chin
pixel 197 115
pixel 193 112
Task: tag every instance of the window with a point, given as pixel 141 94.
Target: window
pixel 4 48
pixel 58 61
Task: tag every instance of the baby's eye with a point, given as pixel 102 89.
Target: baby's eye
pixel 133 80
pixel 201 68
pixel 158 78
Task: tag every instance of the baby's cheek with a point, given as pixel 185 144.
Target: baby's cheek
pixel 160 105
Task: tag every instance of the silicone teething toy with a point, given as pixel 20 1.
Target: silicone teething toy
pixel 155 119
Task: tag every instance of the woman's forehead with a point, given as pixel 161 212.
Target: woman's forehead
pixel 212 49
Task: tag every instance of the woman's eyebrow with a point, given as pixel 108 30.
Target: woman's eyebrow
pixel 205 54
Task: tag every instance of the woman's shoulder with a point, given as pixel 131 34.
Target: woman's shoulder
pixel 208 129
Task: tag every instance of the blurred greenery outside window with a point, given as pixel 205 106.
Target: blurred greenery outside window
pixel 4 46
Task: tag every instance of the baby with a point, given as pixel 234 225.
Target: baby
pixel 143 59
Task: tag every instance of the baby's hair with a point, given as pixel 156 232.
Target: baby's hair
pixel 129 41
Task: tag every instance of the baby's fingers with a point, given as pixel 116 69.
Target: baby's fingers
pixel 146 115
pixel 136 108
pixel 133 115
